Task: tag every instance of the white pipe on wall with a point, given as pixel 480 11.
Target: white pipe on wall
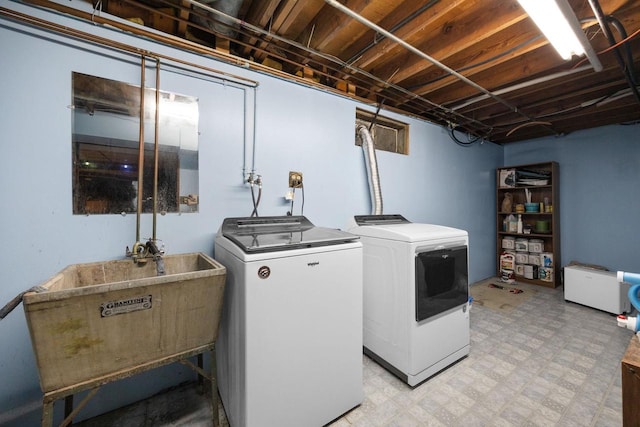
pixel 371 162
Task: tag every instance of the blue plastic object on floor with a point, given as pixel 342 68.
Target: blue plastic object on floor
pixel 634 280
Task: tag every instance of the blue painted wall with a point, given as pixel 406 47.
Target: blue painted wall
pixel 297 128
pixel 599 192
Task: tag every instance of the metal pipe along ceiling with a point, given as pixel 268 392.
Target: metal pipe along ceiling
pixel 423 55
pixel 440 112
pixel 523 85
pixel 223 76
pixel 228 7
pixel 386 84
pixel 244 83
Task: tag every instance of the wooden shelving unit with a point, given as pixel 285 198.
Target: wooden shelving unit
pixel 630 366
pixel 510 180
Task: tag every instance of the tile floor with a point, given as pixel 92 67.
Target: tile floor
pixel 546 363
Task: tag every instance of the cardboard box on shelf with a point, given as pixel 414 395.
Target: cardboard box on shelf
pixel 507 178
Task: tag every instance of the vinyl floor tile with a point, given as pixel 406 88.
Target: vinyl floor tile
pixel 548 362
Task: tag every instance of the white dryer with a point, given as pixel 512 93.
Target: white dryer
pixel 289 349
pixel 416 293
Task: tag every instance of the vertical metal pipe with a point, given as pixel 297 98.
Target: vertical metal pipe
pixel 246 137
pixel 245 155
pixel 140 150
pixel 155 150
pixel 253 132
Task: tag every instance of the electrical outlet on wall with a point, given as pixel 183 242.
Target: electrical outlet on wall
pixel 295 179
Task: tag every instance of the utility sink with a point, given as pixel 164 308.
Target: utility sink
pixel 97 319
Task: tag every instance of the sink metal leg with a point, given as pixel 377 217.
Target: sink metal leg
pixel 94 385
pixel 214 388
pixel 47 412
pixel 73 412
pixel 211 376
pixel 201 378
pixel 68 407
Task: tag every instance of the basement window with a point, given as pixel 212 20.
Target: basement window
pixel 388 134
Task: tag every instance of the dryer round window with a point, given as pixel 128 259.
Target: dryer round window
pixel 264 272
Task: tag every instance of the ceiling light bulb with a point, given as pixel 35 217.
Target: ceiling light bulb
pixel 558 23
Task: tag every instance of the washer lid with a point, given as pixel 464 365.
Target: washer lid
pixel 279 233
pixel 396 229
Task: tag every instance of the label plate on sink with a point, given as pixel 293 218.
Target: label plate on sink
pixel 123 306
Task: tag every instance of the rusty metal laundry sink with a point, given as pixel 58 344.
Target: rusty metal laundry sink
pixel 98 322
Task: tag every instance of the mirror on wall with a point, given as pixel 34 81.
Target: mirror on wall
pixel 105 139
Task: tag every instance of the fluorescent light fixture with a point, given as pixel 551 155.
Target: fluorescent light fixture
pixel 559 24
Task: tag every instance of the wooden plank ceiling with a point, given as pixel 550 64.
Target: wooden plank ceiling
pixel 492 43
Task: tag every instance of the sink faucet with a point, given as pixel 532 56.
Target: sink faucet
pixel 142 252
pixel 156 254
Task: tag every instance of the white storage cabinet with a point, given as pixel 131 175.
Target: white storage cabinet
pixel 596 288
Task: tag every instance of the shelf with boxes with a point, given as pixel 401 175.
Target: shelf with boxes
pixel 527 225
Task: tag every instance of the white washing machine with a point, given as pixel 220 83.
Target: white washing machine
pixel 416 293
pixel 289 349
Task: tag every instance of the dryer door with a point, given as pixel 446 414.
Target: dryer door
pixel 441 281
